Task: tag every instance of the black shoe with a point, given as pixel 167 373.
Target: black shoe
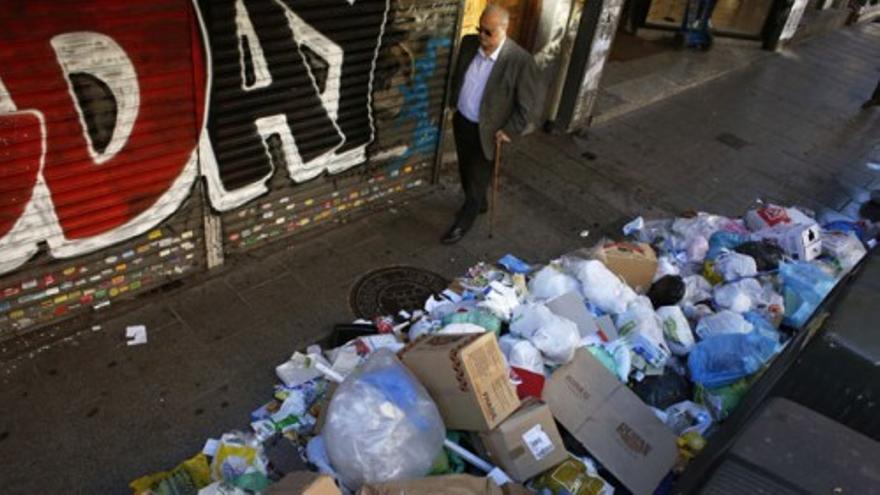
pixel 454 235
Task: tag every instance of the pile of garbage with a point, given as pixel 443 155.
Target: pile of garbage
pixel 608 368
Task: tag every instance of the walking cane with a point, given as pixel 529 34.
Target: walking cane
pixel 496 170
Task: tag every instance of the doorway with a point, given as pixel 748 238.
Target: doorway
pixel 738 18
pixel 647 63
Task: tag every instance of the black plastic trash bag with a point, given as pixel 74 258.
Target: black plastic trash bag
pixel 766 255
pixel 666 291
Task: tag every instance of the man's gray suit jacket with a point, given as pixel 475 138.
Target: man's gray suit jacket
pixel 509 99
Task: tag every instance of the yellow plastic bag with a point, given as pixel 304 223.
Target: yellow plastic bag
pixel 573 477
pixel 187 478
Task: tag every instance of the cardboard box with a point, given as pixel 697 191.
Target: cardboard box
pixel 635 263
pixel 466 376
pixel 772 216
pixel 800 241
pixel 527 443
pixel 454 484
pixel 611 422
pixel 305 483
pixel 571 307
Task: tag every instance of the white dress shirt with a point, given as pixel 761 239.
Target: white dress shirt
pixel 475 83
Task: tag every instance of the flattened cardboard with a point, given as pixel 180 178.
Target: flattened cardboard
pixel 635 263
pixel 527 443
pixel 466 376
pixel 611 422
pixel 571 307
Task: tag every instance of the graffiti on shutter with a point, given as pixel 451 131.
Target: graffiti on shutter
pixel 110 111
pixel 289 90
pixel 98 140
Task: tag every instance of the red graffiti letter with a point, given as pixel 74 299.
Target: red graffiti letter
pixel 120 90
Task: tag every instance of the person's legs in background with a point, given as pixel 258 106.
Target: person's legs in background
pixel 475 172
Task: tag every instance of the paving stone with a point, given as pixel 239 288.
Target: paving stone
pixel 198 309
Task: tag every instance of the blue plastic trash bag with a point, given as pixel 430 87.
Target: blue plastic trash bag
pixel 720 360
pixel 514 264
pixel 804 286
pixel 846 226
pixel 723 240
pixel 762 325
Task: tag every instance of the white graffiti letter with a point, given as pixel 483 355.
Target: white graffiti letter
pixel 99 56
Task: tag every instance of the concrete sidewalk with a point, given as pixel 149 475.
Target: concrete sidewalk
pixel 89 414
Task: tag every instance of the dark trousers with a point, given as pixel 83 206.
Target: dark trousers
pixel 474 168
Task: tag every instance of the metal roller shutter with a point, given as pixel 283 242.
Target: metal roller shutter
pixel 321 108
pixel 100 106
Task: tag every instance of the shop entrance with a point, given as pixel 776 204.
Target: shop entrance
pixel 732 18
pixel 648 61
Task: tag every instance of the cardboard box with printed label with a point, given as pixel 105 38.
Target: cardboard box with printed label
pixel 635 263
pixel 611 422
pixel 466 376
pixel 527 443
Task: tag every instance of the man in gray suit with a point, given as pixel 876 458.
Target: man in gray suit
pixel 493 91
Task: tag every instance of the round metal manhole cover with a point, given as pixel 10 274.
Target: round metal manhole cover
pixel 386 291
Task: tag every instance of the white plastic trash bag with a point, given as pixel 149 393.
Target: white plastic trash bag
pixel 696 249
pixel 696 312
pixel 521 353
pixel 687 416
pixel 634 226
pixel 688 230
pixel 740 296
pixel 556 337
pixel 382 425
pixel 642 329
pixel 722 322
pixel 600 285
pixel 676 329
pixel 734 266
pixel 845 247
pixel 550 283
pixel 665 266
pixel 501 300
pixel 771 304
pixel 696 289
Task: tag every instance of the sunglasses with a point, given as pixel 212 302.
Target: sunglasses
pixel 482 30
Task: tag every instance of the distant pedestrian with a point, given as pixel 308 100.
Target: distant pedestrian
pixel 875 98
pixel 493 91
